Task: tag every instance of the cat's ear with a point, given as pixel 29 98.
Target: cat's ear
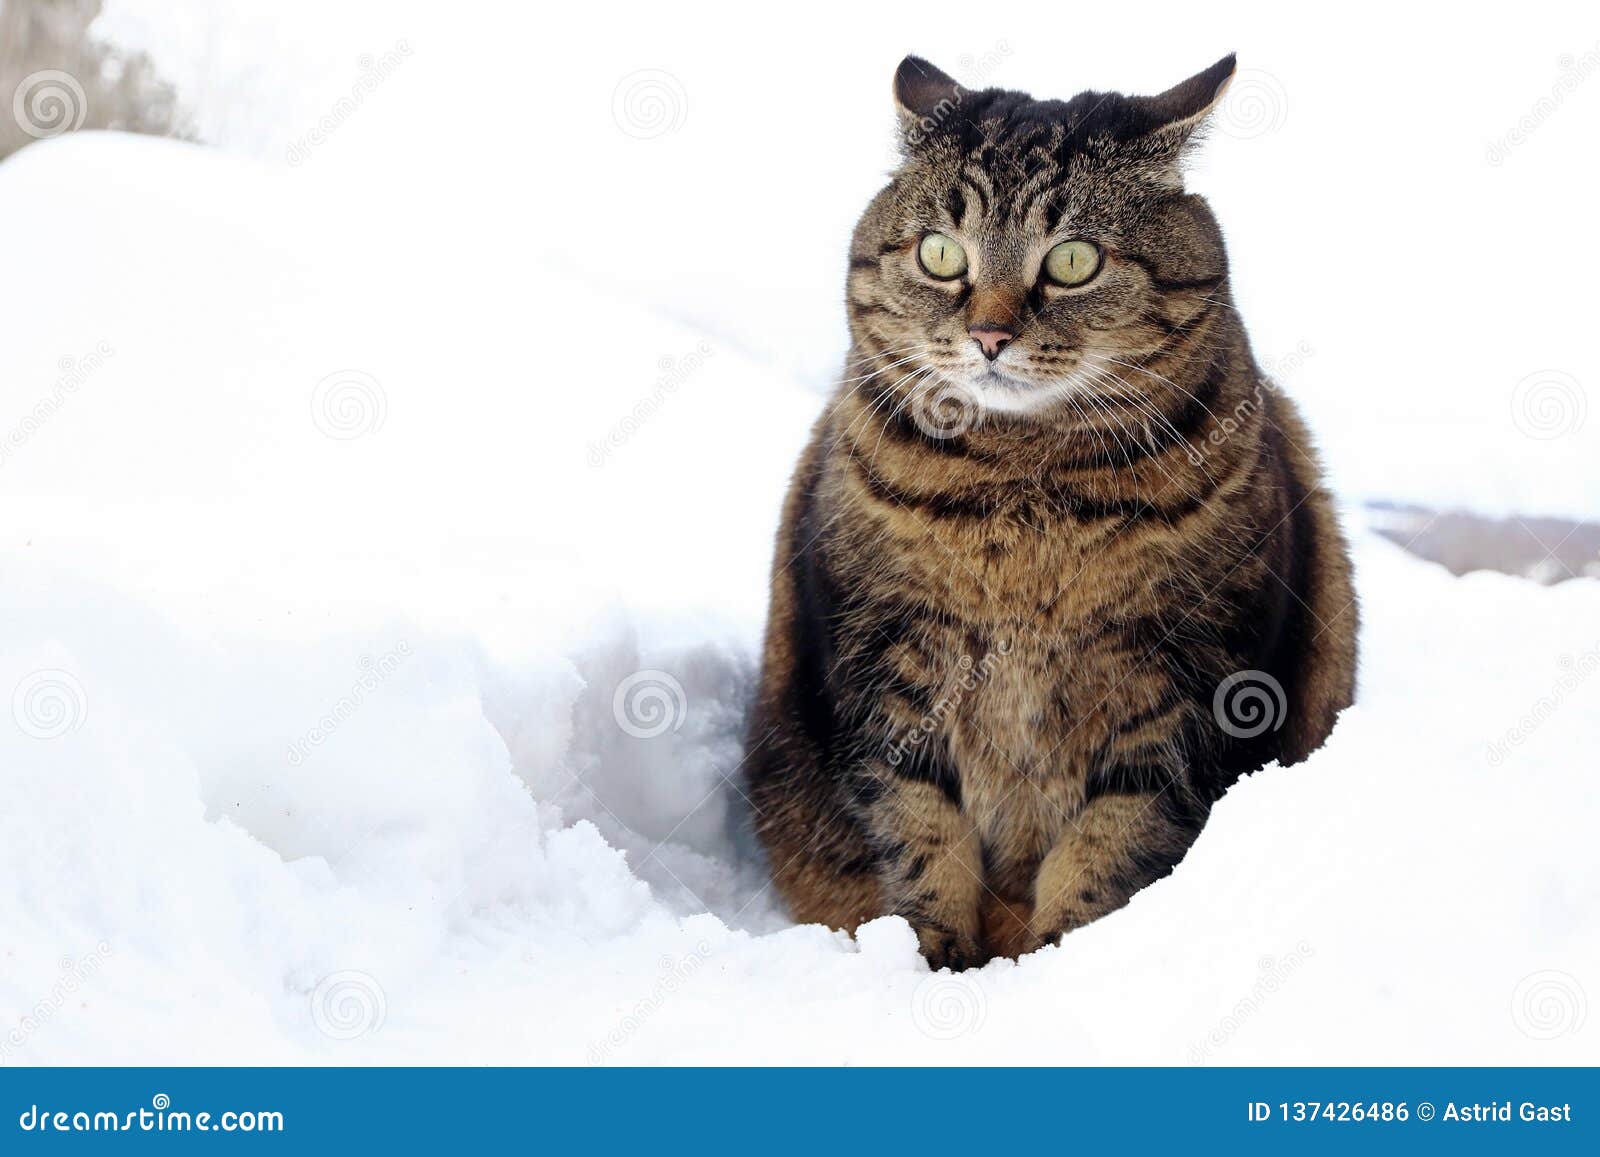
pixel 1180 110
pixel 923 97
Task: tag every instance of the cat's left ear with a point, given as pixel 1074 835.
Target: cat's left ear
pixel 1180 110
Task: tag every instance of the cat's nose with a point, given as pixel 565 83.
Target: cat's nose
pixel 991 339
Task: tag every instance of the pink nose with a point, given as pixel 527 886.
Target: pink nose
pixel 991 340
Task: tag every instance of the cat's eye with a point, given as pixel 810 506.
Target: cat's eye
pixel 1072 262
pixel 941 257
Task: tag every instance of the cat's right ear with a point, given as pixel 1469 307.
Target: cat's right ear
pixel 1180 110
pixel 924 97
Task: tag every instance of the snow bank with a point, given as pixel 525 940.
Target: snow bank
pixel 379 610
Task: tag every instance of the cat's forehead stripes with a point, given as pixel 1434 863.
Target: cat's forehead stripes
pixel 1011 170
pixel 1031 179
pixel 975 203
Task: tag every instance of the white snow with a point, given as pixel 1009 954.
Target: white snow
pixel 338 501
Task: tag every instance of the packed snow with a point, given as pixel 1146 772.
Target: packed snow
pixel 381 600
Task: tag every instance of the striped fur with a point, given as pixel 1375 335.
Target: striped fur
pixel 1004 605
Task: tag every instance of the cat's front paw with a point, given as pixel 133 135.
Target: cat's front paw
pixel 1036 938
pixel 945 949
pixel 1033 942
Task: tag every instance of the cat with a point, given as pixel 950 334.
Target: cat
pixel 1057 566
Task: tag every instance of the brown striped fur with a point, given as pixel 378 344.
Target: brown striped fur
pixel 1012 611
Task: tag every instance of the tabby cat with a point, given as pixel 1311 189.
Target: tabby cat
pixel 1056 568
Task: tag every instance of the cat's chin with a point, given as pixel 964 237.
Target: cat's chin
pixel 1003 394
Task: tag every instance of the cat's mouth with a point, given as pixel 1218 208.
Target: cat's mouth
pixel 1005 391
pixel 993 377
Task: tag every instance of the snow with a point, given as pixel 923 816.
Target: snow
pixel 381 602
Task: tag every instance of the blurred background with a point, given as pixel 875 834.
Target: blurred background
pixel 121 89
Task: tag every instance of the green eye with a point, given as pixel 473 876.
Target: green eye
pixel 941 257
pixel 1072 262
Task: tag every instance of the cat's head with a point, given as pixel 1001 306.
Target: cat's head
pixel 1030 253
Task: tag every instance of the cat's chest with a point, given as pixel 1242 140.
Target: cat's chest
pixel 1039 713
pixel 1021 565
pixel 1040 705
